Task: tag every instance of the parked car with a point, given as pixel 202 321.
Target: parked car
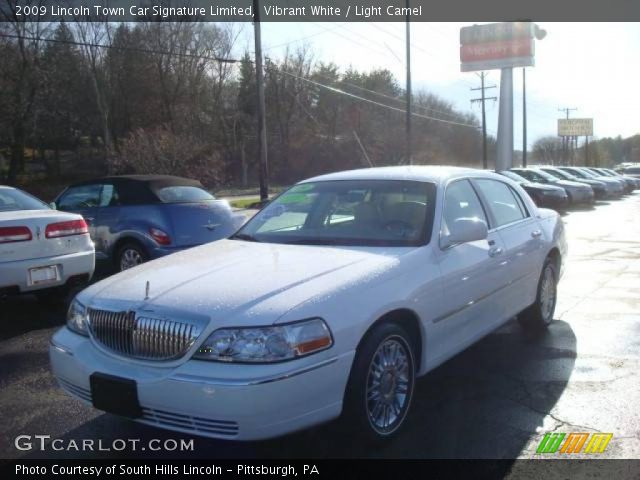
pixel 578 193
pixel 631 170
pixel 333 298
pixel 615 189
pixel 42 251
pixel 135 218
pixel 548 196
pixel 600 189
pixel 612 172
pixel 629 182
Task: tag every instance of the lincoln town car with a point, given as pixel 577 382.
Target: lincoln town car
pixel 330 302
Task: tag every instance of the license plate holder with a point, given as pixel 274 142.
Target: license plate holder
pixel 43 275
pixel 115 395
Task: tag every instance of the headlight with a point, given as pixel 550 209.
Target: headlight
pixel 77 318
pixel 274 343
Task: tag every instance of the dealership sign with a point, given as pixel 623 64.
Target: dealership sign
pixel 575 127
pixel 497 45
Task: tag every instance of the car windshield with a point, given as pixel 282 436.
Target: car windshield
pixel 514 176
pixel 13 200
pixel 558 174
pixel 578 173
pixel 589 173
pixel 536 176
pixel 183 194
pixel 347 212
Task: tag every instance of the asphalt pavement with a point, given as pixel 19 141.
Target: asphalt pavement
pixel 495 400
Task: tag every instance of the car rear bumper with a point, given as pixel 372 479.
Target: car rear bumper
pixel 15 275
pixel 238 402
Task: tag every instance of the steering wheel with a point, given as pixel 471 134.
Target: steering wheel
pixel 399 228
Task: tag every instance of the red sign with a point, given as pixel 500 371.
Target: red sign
pixel 522 47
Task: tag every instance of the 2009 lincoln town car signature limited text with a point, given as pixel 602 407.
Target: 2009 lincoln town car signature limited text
pixel 331 300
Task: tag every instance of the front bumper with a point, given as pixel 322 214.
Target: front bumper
pixel 15 274
pixel 582 196
pixel 553 201
pixel 229 401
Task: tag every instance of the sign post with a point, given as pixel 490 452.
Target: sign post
pixel 500 46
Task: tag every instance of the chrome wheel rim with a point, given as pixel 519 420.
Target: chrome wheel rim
pixel 547 294
pixel 388 385
pixel 130 258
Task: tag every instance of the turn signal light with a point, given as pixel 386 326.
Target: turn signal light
pixel 14 234
pixel 66 229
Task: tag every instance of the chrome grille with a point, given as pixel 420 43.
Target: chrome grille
pixel 141 337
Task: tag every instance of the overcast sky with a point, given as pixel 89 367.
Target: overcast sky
pixel 592 66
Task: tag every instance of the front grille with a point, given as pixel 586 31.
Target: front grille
pixel 141 337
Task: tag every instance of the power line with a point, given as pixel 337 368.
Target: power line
pixel 117 47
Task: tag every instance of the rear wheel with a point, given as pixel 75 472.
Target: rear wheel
pixel 381 383
pixel 540 314
pixel 130 255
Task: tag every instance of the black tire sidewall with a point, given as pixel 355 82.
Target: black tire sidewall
pixel 355 408
pixel 129 246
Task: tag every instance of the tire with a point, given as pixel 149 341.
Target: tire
pixel 129 255
pixel 540 315
pixel 376 411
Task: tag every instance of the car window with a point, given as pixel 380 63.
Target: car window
pixel 501 201
pixel 12 200
pixel 460 201
pixel 109 196
pixel 183 194
pixel 347 212
pixel 632 170
pixel 82 196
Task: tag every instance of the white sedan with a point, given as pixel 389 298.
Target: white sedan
pixel 42 251
pixel 331 300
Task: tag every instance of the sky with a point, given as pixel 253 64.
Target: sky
pixel 594 67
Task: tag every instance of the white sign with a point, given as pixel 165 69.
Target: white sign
pixel 575 127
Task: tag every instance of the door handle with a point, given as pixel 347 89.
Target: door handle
pixel 495 251
pixel 536 233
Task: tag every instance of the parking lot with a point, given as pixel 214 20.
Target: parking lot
pixel 495 400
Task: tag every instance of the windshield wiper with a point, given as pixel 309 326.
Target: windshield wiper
pixel 244 236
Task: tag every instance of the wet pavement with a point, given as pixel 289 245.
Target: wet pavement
pixel 495 400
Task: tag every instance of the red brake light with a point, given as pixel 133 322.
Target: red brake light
pixel 159 236
pixel 14 234
pixel 66 229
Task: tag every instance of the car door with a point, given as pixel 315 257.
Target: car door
pixel 522 238
pixel 472 275
pixel 84 200
pixel 107 218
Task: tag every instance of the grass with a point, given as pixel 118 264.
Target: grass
pixel 244 202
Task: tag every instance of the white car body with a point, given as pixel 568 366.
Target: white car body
pixel 34 262
pixel 457 295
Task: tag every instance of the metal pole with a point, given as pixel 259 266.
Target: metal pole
pixel 524 117
pixel 262 122
pixel 586 150
pixel 504 157
pixel 484 125
pixel 408 120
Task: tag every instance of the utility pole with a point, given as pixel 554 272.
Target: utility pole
pixel 408 120
pixel 484 117
pixel 262 122
pixel 566 140
pixel 524 117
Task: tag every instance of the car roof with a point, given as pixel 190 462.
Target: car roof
pixel 438 174
pixel 165 180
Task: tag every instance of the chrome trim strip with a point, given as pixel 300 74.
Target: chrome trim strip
pixel 182 377
pixel 60 348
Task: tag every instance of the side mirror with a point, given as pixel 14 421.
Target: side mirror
pixel 53 205
pixel 465 230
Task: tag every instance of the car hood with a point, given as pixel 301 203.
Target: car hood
pixel 241 283
pixel 542 186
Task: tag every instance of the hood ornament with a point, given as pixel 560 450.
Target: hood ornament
pixel 146 291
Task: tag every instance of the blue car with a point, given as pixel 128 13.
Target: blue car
pixel 135 218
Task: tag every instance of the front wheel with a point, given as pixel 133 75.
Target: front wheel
pixel 381 383
pixel 540 314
